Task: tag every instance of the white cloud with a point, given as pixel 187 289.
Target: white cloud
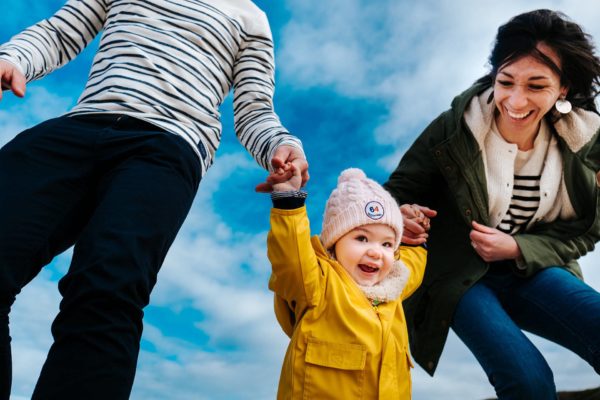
pixel 190 372
pixel 415 57
pixel 38 105
pixel 201 375
pixel 590 265
pixel 30 318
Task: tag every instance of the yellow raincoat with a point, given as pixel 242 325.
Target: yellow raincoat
pixel 341 346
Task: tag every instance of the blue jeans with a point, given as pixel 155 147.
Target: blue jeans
pixel 552 304
pixel 118 189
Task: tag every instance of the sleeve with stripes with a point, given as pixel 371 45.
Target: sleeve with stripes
pixel 52 42
pixel 257 125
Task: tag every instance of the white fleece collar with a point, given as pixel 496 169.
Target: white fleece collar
pixel 576 127
pixel 390 288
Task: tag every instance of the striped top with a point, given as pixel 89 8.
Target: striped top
pixel 525 200
pixel 167 62
pixel 524 203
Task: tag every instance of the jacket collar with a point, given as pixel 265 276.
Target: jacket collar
pixel 390 288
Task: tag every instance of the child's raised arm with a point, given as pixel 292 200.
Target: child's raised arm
pixel 415 259
pixel 296 275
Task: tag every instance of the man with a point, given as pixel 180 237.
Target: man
pixel 117 174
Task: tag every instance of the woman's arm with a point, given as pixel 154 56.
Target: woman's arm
pixel 557 243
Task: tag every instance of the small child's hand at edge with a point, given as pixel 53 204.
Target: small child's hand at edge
pixel 285 177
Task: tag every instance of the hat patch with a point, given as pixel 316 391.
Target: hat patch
pixel 374 210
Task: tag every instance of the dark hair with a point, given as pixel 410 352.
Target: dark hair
pixel 580 70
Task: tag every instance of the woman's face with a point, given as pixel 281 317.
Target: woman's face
pixel 524 91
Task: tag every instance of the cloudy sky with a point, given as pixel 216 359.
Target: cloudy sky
pixel 357 80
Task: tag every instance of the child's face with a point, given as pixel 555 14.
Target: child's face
pixel 367 253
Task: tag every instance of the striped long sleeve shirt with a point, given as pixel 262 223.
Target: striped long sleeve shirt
pixel 167 62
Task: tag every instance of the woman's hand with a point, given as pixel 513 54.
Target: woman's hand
pixel 416 223
pixel 492 244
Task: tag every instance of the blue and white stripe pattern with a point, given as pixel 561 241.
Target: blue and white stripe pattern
pixel 168 62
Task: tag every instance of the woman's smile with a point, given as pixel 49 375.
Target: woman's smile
pixel 524 91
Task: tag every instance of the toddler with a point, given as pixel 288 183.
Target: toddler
pixel 338 296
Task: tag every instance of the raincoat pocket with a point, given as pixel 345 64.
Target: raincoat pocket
pixel 334 370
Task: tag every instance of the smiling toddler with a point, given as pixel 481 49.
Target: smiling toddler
pixel 338 296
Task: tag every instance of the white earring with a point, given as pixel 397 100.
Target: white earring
pixel 563 106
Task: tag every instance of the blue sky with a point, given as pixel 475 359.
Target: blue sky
pixel 357 80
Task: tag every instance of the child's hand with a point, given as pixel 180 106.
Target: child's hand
pixel 284 157
pixel 285 177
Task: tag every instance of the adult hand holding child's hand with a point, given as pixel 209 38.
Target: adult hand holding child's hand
pixel 286 177
pixel 416 221
pixel 289 171
pixel 284 158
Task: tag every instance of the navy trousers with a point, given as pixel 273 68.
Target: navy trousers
pixel 118 189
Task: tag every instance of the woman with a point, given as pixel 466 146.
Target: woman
pixel 511 169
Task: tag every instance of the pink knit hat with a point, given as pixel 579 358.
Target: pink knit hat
pixel 357 201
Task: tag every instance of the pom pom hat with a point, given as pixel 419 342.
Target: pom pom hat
pixel 358 200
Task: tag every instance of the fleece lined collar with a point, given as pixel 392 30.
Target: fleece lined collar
pixel 390 288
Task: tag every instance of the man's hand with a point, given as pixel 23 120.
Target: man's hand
pixel 492 244
pixel 282 162
pixel 12 79
pixel 416 220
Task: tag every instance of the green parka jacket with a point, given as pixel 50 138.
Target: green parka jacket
pixel 444 170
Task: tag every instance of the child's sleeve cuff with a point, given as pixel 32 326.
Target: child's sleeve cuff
pixel 288 200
